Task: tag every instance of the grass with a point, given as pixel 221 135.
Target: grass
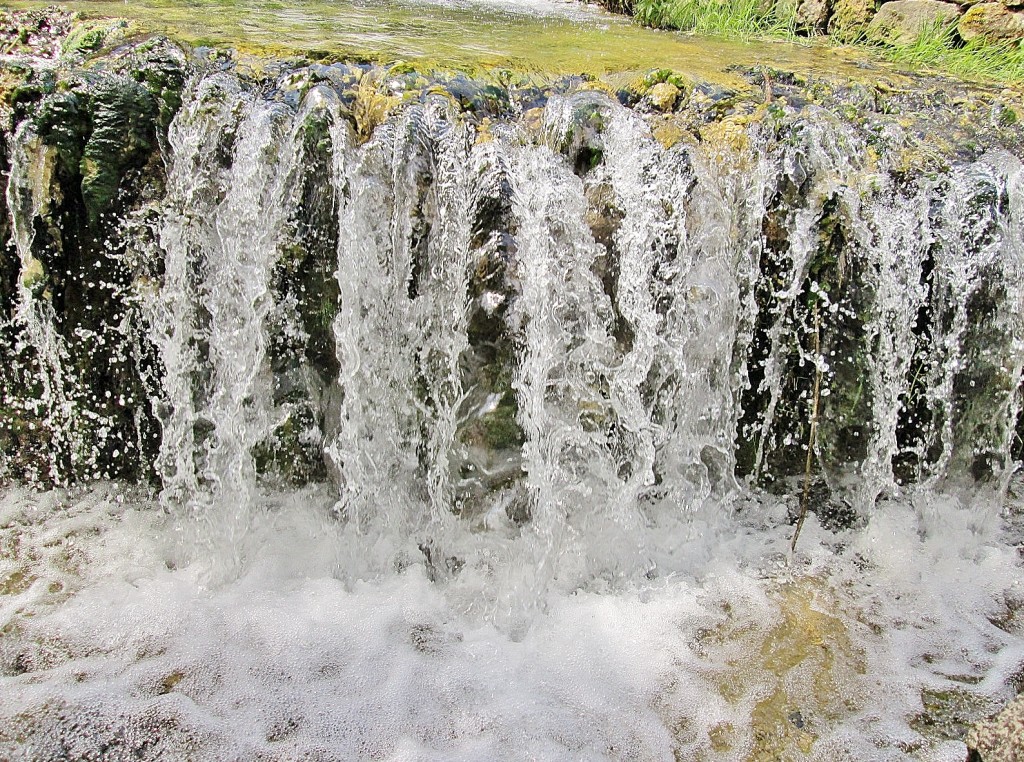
pixel 937 48
pixel 727 18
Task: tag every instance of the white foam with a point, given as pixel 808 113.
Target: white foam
pixel 296 657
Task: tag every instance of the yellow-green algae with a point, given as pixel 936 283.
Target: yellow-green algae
pixel 796 676
pixel 467 37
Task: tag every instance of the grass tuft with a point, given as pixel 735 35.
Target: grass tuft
pixel 727 18
pixel 937 48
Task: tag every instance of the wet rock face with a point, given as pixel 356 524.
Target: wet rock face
pixel 474 286
pixel 86 142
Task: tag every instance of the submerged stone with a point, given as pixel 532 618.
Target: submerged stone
pixel 663 96
pixel 999 739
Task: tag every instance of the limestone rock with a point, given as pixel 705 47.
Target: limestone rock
pixel 850 18
pixel 663 96
pixel 992 22
pixel 901 22
pixel 812 15
pixel 1000 739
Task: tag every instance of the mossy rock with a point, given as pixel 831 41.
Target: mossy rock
pixel 948 714
pixel 901 22
pixel 991 22
pixel 123 134
pixel 89 37
pixel 580 140
pixel 105 123
pixel 850 19
pixel 293 453
pixel 98 128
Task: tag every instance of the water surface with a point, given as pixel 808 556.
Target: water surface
pixel 549 36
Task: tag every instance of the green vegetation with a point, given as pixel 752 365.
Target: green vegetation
pixel 735 18
pixel 937 48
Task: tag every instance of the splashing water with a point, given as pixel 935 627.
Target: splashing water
pixel 481 443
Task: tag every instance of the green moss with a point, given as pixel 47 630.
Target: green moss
pixel 33 276
pixel 123 134
pixel 62 121
pixel 498 429
pixel 657 76
pixel 293 451
pixel 85 38
pixel 105 123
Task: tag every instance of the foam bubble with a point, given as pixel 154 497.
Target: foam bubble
pixel 116 644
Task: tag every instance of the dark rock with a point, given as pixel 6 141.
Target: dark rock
pixel 96 158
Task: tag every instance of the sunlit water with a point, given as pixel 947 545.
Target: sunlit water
pixel 550 36
pixel 612 586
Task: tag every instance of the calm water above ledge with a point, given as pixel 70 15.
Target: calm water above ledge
pixel 546 36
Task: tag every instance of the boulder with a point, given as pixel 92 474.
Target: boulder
pixel 619 6
pixel 663 96
pixel 1000 739
pixel 812 15
pixel 850 18
pixel 992 22
pixel 901 22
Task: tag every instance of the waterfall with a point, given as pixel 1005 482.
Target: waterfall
pixel 357 414
pixel 221 230
pixel 555 331
pixel 27 196
pixel 403 243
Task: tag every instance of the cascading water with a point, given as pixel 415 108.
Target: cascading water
pixel 468 386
